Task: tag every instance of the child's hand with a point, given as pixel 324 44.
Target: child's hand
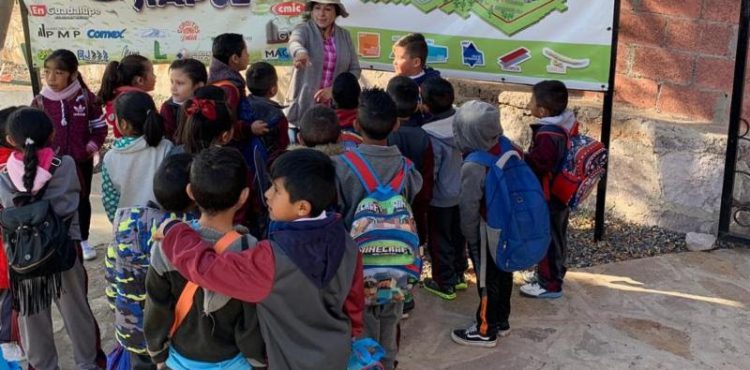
pixel 159 234
pixel 259 128
pixel 161 366
pixel 301 60
pixel 323 96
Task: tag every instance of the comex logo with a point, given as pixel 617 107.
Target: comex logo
pixel 106 34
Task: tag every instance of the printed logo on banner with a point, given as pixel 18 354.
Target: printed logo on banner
pixel 280 54
pixel 93 55
pixel 511 62
pixel 153 33
pixel 58 32
pixel 278 30
pixel 471 55
pixel 139 4
pixel 106 34
pixel 288 9
pixel 127 51
pixel 189 31
pixel 38 10
pixel 368 45
pixel 559 63
pixel 78 13
pixel 157 51
pixel 203 56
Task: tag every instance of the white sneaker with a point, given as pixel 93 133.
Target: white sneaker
pixel 89 253
pixel 12 352
pixel 534 290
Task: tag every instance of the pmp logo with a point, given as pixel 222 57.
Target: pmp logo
pixel 280 54
pixel 188 31
pixel 106 34
pixel 38 10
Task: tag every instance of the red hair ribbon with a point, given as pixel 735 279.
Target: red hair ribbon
pixel 206 107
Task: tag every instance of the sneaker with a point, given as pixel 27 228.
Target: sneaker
pixel 534 290
pixel 503 330
pixel 461 284
pixel 89 253
pixel 447 293
pixel 472 337
pixel 528 277
pixel 408 307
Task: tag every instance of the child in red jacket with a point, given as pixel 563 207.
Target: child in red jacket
pixel 80 129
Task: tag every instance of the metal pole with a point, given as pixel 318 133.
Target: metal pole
pixel 35 88
pixel 735 113
pixel 601 193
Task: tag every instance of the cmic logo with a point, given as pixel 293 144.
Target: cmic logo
pixel 106 34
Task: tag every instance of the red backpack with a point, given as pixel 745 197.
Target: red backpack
pixel 583 166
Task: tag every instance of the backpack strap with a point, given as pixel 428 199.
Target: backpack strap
pixel 185 302
pixel 399 180
pixel 482 158
pixel 362 168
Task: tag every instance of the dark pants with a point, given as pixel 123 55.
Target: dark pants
pixel 447 245
pixel 85 174
pixel 551 268
pixel 141 362
pixel 495 288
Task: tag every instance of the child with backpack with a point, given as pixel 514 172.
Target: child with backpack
pixel 549 145
pixel 185 76
pixel 229 59
pixel 80 129
pixel 358 174
pixel 208 121
pixel 132 73
pixel 446 244
pixel 476 128
pixel 126 275
pixel 191 328
pixel 9 337
pixel 39 193
pixel 306 279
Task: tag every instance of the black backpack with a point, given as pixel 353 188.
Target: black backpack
pixel 38 248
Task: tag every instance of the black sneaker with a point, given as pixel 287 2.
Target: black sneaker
pixel 447 293
pixel 472 337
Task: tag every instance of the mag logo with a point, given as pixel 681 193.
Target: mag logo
pixel 38 10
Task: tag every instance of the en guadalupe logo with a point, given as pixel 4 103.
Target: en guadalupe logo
pixel 188 31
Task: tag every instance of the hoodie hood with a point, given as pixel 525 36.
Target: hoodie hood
pixel 16 170
pixel 316 247
pixel 476 126
pixel 566 120
pixel 346 117
pixel 219 71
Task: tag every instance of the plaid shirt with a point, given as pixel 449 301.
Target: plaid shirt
pixel 329 62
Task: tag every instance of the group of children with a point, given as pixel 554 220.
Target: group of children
pixel 232 247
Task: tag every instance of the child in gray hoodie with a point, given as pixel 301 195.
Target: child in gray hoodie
pixel 476 127
pixel 446 243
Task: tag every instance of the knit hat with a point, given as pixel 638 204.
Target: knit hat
pixel 338 3
pixel 476 126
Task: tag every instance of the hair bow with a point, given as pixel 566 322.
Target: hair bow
pixel 206 107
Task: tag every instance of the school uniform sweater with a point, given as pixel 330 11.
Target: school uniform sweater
pixel 77 117
pixel 306 279
pixel 217 327
pixel 110 114
pixel 169 111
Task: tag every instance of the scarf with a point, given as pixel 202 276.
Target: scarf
pixel 64 94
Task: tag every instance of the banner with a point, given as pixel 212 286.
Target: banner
pixel 515 41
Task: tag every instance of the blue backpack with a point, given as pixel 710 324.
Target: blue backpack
pixel 517 213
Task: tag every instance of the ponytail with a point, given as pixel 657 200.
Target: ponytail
pixel 121 73
pixel 110 81
pixel 138 109
pixel 30 162
pixel 30 129
pixel 153 128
